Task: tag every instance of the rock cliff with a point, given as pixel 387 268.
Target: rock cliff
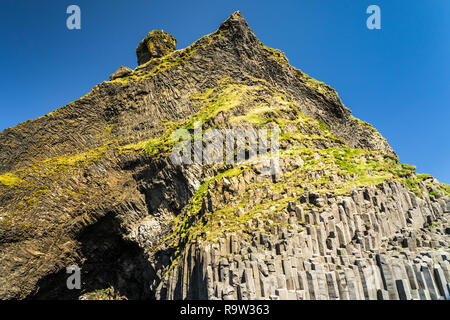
pixel 93 184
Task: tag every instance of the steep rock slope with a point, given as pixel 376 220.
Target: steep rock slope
pixel 92 184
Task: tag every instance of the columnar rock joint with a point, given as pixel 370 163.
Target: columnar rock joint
pixel 92 184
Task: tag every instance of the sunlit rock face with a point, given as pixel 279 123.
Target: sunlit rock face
pixel 93 184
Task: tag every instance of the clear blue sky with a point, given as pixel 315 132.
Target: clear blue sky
pixel 396 78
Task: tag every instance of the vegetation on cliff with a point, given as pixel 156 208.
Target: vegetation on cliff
pixel 93 180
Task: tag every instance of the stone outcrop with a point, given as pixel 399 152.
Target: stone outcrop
pixel 120 73
pixel 92 184
pixel 156 44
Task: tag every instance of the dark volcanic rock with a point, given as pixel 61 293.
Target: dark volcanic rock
pixel 156 44
pixel 120 73
pixel 92 184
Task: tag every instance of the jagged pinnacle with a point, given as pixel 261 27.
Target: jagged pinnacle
pixel 237 27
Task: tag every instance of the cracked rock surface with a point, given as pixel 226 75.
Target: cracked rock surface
pixel 93 184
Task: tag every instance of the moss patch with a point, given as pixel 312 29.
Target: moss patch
pixel 9 179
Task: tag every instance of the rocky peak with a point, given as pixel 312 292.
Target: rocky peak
pixel 156 44
pixel 237 27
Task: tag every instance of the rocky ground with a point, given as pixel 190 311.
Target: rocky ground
pixel 93 184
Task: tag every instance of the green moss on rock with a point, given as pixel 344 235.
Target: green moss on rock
pixel 9 179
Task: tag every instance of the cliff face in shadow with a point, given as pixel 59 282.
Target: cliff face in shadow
pixel 92 184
